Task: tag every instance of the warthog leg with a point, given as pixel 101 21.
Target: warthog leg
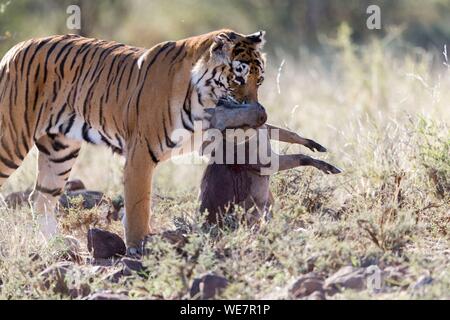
pixel 292 137
pixel 292 161
pixel 287 162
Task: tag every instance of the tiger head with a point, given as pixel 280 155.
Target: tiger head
pixel 232 69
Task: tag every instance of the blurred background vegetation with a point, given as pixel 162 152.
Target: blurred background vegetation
pixel 291 24
pixel 327 76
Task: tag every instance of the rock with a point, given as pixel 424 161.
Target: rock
pixel 306 285
pixel 74 185
pixel 55 276
pixel 18 199
pixel 90 199
pixel 176 238
pixel 107 297
pixel 130 266
pixel 100 262
pixel 317 295
pixel 208 287
pixel 104 245
pixel 346 278
pixel 115 277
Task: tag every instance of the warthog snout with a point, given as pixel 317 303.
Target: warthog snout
pixel 229 115
pixel 262 115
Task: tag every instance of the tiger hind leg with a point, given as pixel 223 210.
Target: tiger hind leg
pixel 13 151
pixel 57 155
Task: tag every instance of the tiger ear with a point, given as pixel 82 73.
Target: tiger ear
pixel 258 39
pixel 222 47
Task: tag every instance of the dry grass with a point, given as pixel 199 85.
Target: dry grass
pixel 385 120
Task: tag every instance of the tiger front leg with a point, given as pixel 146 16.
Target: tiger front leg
pixel 138 175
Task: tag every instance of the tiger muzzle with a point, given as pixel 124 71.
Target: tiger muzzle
pixel 230 115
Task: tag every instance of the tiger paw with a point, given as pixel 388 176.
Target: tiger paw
pixel 134 252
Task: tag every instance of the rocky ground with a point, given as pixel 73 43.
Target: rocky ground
pixel 298 255
pixel 380 230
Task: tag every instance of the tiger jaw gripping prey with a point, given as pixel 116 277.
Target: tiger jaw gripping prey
pixel 59 91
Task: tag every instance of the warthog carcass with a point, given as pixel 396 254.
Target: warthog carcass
pixel 246 183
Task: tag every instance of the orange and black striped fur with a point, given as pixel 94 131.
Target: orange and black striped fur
pixel 59 91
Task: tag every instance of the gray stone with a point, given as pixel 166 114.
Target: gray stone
pixel 101 262
pixel 74 185
pixel 131 266
pixel 104 245
pixel 317 295
pixel 208 287
pixel 306 285
pixel 90 199
pixel 128 267
pixel 346 278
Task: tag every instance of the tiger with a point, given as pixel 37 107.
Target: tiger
pixel 59 92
